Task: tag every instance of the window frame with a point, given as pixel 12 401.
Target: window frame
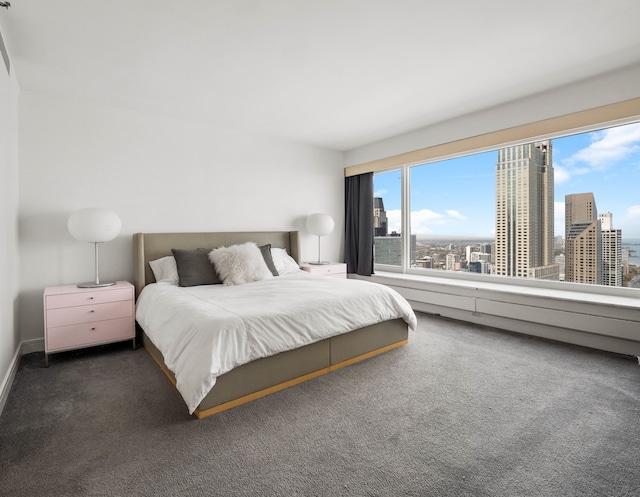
pixel 621 113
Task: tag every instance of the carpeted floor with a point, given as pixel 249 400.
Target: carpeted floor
pixel 460 411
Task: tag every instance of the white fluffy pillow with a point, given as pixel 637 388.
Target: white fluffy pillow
pixel 165 270
pixel 240 264
pixel 284 263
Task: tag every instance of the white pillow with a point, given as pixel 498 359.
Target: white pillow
pixel 165 270
pixel 284 263
pixel 240 264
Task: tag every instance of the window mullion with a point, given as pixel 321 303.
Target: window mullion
pixel 406 218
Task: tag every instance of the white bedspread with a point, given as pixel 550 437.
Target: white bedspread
pixel 205 331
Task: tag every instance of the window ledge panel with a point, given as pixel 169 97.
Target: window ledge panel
pixel 580 315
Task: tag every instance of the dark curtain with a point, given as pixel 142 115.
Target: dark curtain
pixel 359 224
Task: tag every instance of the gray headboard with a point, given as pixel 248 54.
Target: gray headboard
pixel 150 246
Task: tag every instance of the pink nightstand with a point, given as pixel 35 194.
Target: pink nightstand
pixel 332 270
pixel 83 317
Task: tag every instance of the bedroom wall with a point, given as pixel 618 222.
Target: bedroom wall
pixel 9 256
pixel 159 174
pixel 616 86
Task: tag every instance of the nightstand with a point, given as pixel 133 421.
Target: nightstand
pixel 75 317
pixel 331 270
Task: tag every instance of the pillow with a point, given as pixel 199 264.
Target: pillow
pixel 165 270
pixel 194 267
pixel 266 255
pixel 239 264
pixel 283 262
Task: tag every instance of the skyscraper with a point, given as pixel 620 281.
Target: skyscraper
pixel 611 251
pixel 524 212
pixel 583 240
pixel 380 223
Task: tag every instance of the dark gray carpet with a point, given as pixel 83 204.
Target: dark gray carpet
pixel 461 410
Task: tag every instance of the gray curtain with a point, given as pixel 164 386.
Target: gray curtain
pixel 359 224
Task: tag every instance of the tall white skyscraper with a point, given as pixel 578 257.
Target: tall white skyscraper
pixel 524 212
pixel 611 251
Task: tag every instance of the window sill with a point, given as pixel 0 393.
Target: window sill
pixel 580 315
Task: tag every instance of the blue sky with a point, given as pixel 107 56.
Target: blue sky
pixel 457 196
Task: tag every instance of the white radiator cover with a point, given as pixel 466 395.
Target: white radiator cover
pixel 605 322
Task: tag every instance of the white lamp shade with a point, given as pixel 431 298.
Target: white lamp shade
pixel 94 224
pixel 320 224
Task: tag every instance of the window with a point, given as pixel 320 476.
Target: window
pixel 560 209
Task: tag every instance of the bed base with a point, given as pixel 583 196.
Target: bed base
pixel 271 374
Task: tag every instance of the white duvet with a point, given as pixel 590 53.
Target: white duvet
pixel 205 331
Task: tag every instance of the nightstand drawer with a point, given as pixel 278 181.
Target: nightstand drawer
pixel 88 313
pixel 77 335
pixel 334 270
pixel 87 297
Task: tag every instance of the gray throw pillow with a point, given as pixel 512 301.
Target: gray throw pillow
pixel 266 254
pixel 195 268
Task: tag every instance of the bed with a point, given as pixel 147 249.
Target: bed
pixel 301 352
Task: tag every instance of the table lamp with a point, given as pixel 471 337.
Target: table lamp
pixel 319 224
pixel 94 225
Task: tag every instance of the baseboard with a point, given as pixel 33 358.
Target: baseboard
pixel 7 381
pixel 34 345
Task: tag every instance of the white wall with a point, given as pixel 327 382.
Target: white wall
pixel 159 175
pixel 9 256
pixel 617 86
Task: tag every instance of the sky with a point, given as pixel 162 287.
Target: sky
pixel 456 197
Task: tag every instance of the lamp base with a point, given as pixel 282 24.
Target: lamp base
pixel 319 263
pixel 93 284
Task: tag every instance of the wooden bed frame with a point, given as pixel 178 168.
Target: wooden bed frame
pixel 270 374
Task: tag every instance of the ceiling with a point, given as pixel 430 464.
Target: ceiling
pixel 333 73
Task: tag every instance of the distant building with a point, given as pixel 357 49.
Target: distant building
pixel 611 251
pixel 558 242
pixel 425 262
pixel 467 251
pixel 479 267
pixel 486 248
pixel 583 240
pixel 388 250
pixel 380 223
pixel 559 260
pixel 452 260
pixel 480 256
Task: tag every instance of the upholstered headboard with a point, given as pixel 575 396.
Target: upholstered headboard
pixel 150 246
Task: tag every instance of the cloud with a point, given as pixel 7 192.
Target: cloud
pixel 633 212
pixel 560 175
pixel 394 220
pixel 456 215
pixel 607 147
pixel 380 193
pixel 423 221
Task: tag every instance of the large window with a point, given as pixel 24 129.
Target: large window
pixel 563 208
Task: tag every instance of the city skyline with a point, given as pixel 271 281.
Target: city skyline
pixel 456 197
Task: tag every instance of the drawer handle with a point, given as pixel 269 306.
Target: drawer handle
pixel 92 310
pixel 93 329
